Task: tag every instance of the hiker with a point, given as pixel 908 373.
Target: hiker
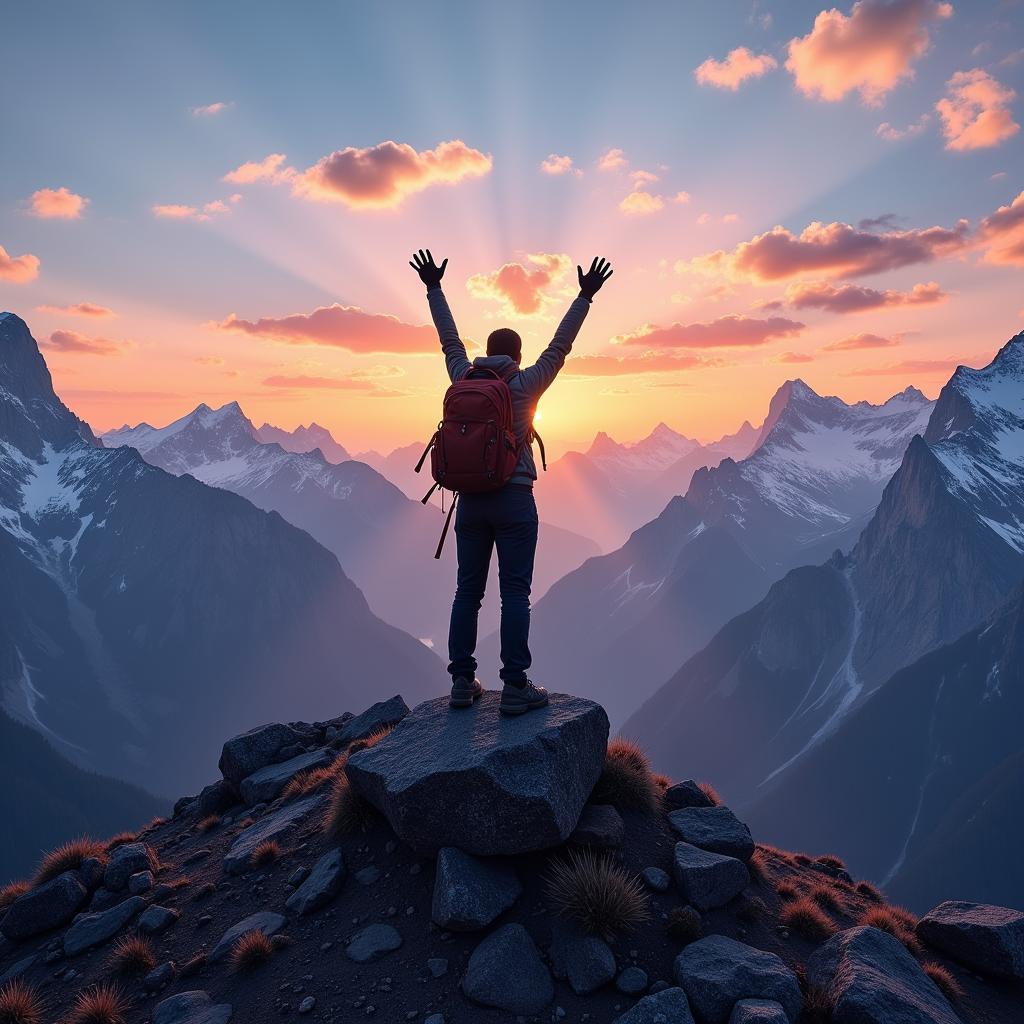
pixel 505 518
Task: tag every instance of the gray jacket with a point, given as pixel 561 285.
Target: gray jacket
pixel 526 385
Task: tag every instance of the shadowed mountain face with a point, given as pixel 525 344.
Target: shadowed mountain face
pixel 145 614
pixel 304 439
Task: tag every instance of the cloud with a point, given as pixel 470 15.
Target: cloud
pixel 79 344
pixel 18 269
pixel 181 211
pixel 725 331
pixel 211 109
pixel 613 160
pixel 792 357
pixel 556 165
pixel 868 51
pixel 739 65
pixel 834 250
pixel 891 133
pixel 521 290
pixel 210 360
pixel 59 204
pixel 639 202
pixel 1001 234
pixel 303 382
pixel 856 342
pixel 645 362
pixel 78 309
pixel 268 169
pixel 974 111
pixel 926 367
pixel 854 298
pixel 383 176
pixel 347 327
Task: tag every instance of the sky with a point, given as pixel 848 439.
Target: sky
pixel 214 202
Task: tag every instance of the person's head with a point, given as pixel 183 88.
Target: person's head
pixel 505 342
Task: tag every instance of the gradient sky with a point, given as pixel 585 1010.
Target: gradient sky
pixel 770 181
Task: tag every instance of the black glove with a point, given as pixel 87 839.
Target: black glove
pixel 590 282
pixel 430 273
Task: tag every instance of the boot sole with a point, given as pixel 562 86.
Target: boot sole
pixel 521 709
pixel 464 702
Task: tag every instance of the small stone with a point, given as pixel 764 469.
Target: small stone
pixel 505 971
pixel 90 871
pixel 156 919
pixel 159 977
pixel 373 942
pixel 367 875
pixel 140 882
pixel 706 879
pixel 322 885
pixel 601 826
pixel 435 1018
pixel 437 966
pixel 685 794
pixel 307 1004
pixel 632 981
pixel 656 879
pixel 715 829
pixel 297 877
pixel 264 921
pixel 470 892
pixel 668 1006
pixel 126 860
pixel 191 1008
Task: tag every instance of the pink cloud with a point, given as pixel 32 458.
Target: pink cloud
pixel 303 382
pixel 211 109
pixel 793 357
pixel 639 202
pixel 268 169
pixel 646 362
pixel 383 176
pixel 613 160
pixel 57 204
pixel 975 112
pixel 891 133
pixel 78 309
pixel 868 51
pixel 855 342
pixel 1002 234
pixel 556 165
pixel 18 269
pixel 924 367
pixel 72 342
pixel 854 298
pixel 181 211
pixel 347 327
pixel 725 331
pixel 739 65
pixel 522 290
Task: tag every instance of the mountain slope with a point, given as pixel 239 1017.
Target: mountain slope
pixel 304 439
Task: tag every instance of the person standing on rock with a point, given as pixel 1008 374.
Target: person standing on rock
pixel 503 519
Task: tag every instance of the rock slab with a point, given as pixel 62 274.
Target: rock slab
pixel 321 886
pixel 380 716
pixel 373 942
pixel 990 939
pixel 669 1006
pixel 194 1007
pixel 519 783
pixel 269 782
pixel 707 879
pixel 713 828
pixel 91 929
pixel 506 972
pixel 469 893
pixel 273 826
pixel 600 825
pixel 249 752
pixel 717 972
pixel 265 921
pixel 583 960
pixel 44 907
pixel 874 980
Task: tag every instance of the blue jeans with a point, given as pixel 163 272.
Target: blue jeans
pixel 506 520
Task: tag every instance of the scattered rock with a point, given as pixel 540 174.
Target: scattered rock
pixel 215 799
pixel 717 971
pixel 323 884
pixel 91 929
pixel 656 879
pixel 715 829
pixel 307 1005
pixel 600 825
pixel 437 966
pixel 470 893
pixel 268 783
pixel 505 971
pixel 191 1008
pixel 297 877
pixel 632 981
pixel 159 977
pixel 264 921
pixel 373 942
pixel 90 871
pixel 103 898
pixel 380 716
pixel 140 882
pixel 874 980
pixel 156 919
pixel 242 755
pixel 758 1011
pixel 16 970
pixel 475 761
pixel 368 875
pixel 708 879
pixel 990 939
pixel 435 1018
pixel 44 907
pixel 685 794
pixel 272 827
pixel 126 860
pixel 669 1006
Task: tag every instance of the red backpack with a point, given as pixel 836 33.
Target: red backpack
pixel 474 448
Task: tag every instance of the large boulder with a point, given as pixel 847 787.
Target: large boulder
pixel 506 972
pixel 669 1006
pixel 519 784
pixel 717 972
pixel 194 1007
pixel 321 885
pixel 265 921
pixel 373 719
pixel 707 879
pixel 268 783
pixel 713 828
pixel 126 860
pixel 758 1011
pixel 989 939
pixel 242 755
pixel 469 893
pixel 44 907
pixel 272 827
pixel 872 979
pixel 91 929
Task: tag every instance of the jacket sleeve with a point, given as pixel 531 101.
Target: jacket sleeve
pixel 538 378
pixel 454 350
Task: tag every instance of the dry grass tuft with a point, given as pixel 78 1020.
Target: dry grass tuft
pixel 787 891
pixel 662 781
pixel 67 857
pixel 308 781
pixel 265 853
pixel 370 741
pixel 20 1003
pixel 10 892
pixel 711 793
pixel 251 950
pixel 684 925
pixel 830 860
pixel 153 825
pixel 818 1007
pixel 758 865
pixel 626 781
pixel 104 1003
pixel 897 922
pixel 870 892
pixel 193 966
pixel 120 839
pixel 207 824
pixel 595 892
pixel 347 811
pixel 806 918
pixel 802 859
pixel 826 897
pixel 132 954
pixel 947 984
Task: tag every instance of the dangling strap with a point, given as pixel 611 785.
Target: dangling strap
pixel 423 457
pixel 447 521
pixel 543 454
pixel 426 497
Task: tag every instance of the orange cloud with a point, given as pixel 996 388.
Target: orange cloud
pixel 868 51
pixel 78 309
pixel 891 133
pixel 522 290
pixel 211 109
pixel 856 342
pixel 57 204
pixel 854 298
pixel 347 327
pixel 739 65
pixel 613 160
pixel 307 383
pixel 725 331
pixel 646 362
pixel 974 111
pixel 383 176
pixel 72 342
pixel 1002 234
pixel 926 367
pixel 180 211
pixel 18 269
pixel 268 169
pixel 556 165
pixel 793 357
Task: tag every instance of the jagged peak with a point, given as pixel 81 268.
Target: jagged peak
pixel 603 444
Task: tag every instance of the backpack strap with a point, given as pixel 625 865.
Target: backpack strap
pixel 447 522
pixel 534 436
pixel 430 444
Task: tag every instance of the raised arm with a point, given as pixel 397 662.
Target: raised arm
pixel 539 377
pixel 455 358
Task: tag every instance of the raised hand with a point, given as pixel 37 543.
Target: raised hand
pixel 430 273
pixel 590 282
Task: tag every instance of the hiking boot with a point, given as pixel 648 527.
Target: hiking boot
pixel 464 692
pixel 517 700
